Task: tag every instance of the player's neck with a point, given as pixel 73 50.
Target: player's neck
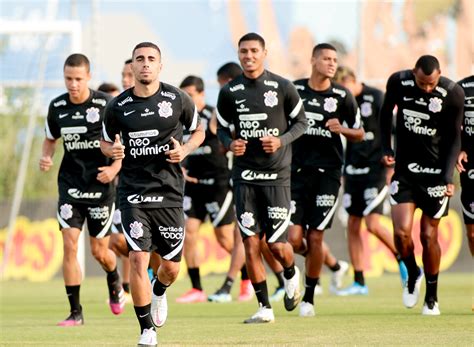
pixel 253 75
pixel 319 82
pixel 145 90
pixel 81 98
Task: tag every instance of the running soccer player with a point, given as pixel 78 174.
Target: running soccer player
pixel 149 119
pixel 365 186
pixel 429 116
pixel 267 115
pixel 465 162
pixel 85 178
pixel 331 111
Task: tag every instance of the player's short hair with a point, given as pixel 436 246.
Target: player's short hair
pixel 108 88
pixel 427 64
pixel 344 72
pixel 76 60
pixel 128 61
pixel 320 46
pixel 146 44
pixel 195 81
pixel 252 37
pixel 229 71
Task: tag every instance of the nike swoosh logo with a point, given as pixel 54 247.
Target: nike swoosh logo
pixel 277 225
pixel 239 101
pixel 325 213
pixel 62 115
pixel 142 316
pixel 127 113
pixel 174 244
pixel 407 99
pixel 103 222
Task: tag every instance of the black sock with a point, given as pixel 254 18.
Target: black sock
pixel 413 271
pixel 144 317
pixel 279 276
pixel 431 287
pixel 227 285
pixel 195 277
pixel 73 297
pixel 359 277
pixel 261 292
pixel 289 272
pixel 112 276
pixel 309 285
pixel 244 275
pixel 159 288
pixel 126 287
pixel 336 267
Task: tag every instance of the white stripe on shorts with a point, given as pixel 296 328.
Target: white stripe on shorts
pixel 444 204
pixel 62 222
pixel 467 213
pixel 393 202
pixel 376 201
pixel 280 230
pixel 106 228
pixel 326 220
pixel 178 249
pixel 130 241
pixel 246 231
pixel 223 210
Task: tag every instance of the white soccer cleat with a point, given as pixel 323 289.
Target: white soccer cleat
pixel 318 290
pixel 292 291
pixel 159 308
pixel 337 276
pixel 306 309
pixel 148 338
pixel 411 299
pixel 431 309
pixel 263 315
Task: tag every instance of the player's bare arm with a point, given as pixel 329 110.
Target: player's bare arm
pixel 46 160
pixel 353 135
pixel 108 173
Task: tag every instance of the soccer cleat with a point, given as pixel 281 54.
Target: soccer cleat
pixel 292 291
pixel 306 309
pixel 431 308
pixel 116 299
pixel 318 290
pixel 354 289
pixel 410 299
pixel 263 315
pixel 159 308
pixel 246 290
pixel 278 294
pixel 148 338
pixel 220 296
pixel 74 319
pixel 192 295
pixel 403 273
pixel 337 276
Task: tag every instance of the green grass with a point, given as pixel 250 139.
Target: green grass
pixel 30 311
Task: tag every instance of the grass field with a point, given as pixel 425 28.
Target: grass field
pixel 30 311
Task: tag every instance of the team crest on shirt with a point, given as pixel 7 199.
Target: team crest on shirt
pixel 136 230
pixel 271 98
pixel 435 105
pixel 366 109
pixel 65 211
pixel 394 187
pixel 346 200
pixel 164 109
pixel 330 104
pixel 92 115
pixel 247 219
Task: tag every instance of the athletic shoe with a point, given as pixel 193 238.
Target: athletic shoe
pixel 74 319
pixel 246 290
pixel 403 273
pixel 148 338
pixel 306 309
pixel 431 308
pixel 354 289
pixel 318 290
pixel 337 276
pixel 278 294
pixel 220 296
pixel 292 291
pixel 151 275
pixel 411 299
pixel 263 315
pixel 117 299
pixel 159 308
pixel 192 295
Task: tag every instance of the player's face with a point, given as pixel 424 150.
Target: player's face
pixel 76 79
pixel 146 65
pixel 426 82
pixel 127 76
pixel 197 97
pixel 324 62
pixel 252 56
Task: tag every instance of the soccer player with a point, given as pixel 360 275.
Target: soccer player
pixel 109 88
pixel 429 116
pixel 465 162
pixel 365 186
pixel 128 79
pixel 267 115
pixel 331 111
pixel 85 178
pixel 149 119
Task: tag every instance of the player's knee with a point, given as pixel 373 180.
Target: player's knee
pixel 428 237
pixel 315 237
pixel 99 254
pixel 170 271
pixel 70 248
pixel 277 249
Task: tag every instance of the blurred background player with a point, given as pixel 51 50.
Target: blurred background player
pixel 109 88
pixel 365 186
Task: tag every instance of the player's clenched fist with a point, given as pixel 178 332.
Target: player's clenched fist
pixel 45 163
pixel 118 150
pixel 238 147
pixel 334 125
pixel 270 144
pixel 176 154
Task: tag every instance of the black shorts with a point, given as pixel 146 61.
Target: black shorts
pixel 314 197
pixel 263 210
pixel 99 217
pixel 363 197
pixel 214 201
pixel 117 222
pixel 467 195
pixel 428 195
pixel 155 229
